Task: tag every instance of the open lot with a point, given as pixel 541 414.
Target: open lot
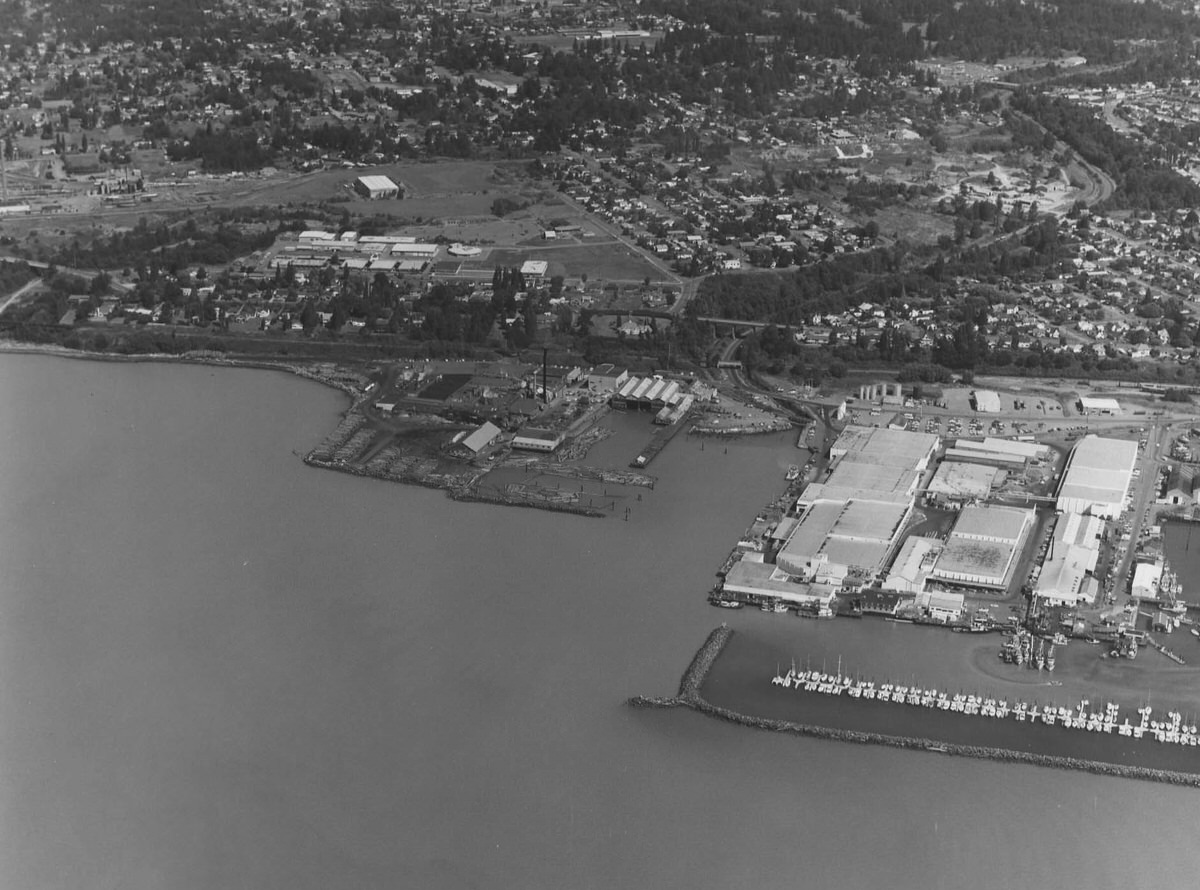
pixel 603 260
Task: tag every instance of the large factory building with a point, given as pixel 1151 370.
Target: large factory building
pixel 850 524
pixel 1097 477
pixel 983 547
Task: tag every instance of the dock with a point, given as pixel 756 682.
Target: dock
pixel 658 442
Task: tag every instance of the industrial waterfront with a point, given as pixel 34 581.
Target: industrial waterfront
pixel 224 668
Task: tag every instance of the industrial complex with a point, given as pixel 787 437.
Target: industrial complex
pixel 936 526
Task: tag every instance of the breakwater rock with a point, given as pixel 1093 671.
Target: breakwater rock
pixel 510 500
pixel 690 697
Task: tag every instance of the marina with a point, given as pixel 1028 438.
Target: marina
pixel 1170 728
pixel 823 705
pixel 968 700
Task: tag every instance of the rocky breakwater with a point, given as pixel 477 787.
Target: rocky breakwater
pixel 690 697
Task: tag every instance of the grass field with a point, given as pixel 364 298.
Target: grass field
pixel 602 261
pixel 453 177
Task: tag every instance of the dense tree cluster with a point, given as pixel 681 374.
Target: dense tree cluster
pixel 1142 174
pixel 222 151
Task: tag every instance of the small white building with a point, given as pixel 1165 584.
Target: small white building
pixel 534 439
pixel 987 401
pixel 1109 407
pixel 941 605
pixel 481 438
pixel 376 187
pixel 1146 578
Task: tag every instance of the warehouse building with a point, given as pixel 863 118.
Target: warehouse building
pixel 1008 448
pixel 414 249
pixel 1107 407
pixel 1066 576
pixel 534 439
pixel 376 187
pixel 849 527
pixel 1183 483
pixel 1097 477
pixel 874 464
pixel 481 438
pixel 839 539
pixel 606 378
pixel 959 482
pixel 648 393
pixel 986 401
pixel 1147 579
pixel 983 547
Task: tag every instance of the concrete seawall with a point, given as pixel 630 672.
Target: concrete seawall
pixel 693 680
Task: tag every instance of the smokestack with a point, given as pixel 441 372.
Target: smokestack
pixel 545 393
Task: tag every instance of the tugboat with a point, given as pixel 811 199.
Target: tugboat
pixel 793 473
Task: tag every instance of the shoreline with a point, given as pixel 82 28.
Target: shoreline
pixel 690 697
pixel 212 359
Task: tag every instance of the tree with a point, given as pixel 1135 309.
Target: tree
pixel 308 317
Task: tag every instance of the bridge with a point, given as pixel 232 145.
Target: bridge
pixel 737 326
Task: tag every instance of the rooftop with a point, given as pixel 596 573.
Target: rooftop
pixel 973 560
pixel 963 480
pixel 374 181
pixel 992 522
pixel 1099 472
pixel 897 447
pixel 987 401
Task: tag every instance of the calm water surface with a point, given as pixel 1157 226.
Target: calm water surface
pixel 220 668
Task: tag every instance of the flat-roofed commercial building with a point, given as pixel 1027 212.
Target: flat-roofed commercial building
pixel 983 547
pixel 414 249
pixel 880 459
pixel 1097 477
pixel 1092 405
pixel 534 439
pixel 958 481
pixel 1007 447
pixel 898 447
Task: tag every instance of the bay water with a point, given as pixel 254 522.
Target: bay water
pixel 222 668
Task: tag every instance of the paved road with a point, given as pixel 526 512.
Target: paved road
pixel 1156 437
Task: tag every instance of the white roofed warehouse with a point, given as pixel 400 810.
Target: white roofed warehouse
pixel 983 547
pixel 1089 405
pixel 376 187
pixel 838 538
pixel 1097 477
pixel 987 401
